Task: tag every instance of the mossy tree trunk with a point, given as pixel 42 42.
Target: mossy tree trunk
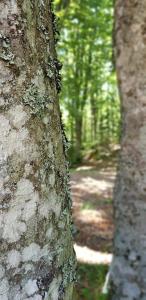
pixel 36 253
pixel 129 264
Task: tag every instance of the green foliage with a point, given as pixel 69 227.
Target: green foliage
pixel 88 205
pixel 91 281
pixel 91 205
pixel 89 98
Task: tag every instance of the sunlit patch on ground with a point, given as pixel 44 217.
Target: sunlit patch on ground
pixel 89 256
pixel 85 168
pixel 92 192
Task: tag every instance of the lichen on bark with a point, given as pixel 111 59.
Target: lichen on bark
pixel 36 252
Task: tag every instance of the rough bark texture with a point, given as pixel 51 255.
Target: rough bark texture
pixel 36 254
pixel 129 265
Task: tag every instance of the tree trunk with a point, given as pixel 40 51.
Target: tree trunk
pixel 129 264
pixel 36 254
pixel 78 129
pixel 94 114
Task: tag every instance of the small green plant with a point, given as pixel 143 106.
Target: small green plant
pixel 108 201
pixel 88 205
pixel 90 282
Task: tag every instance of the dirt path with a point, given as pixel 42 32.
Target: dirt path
pixel 92 190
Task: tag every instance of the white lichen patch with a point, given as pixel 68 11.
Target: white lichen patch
pixel 28 267
pixel 45 252
pixel 37 297
pixel 13 259
pixel 17 116
pixel 31 287
pixel 4 288
pixel 4 297
pixel 4 177
pixel 25 198
pixel 28 170
pixel 53 289
pixel 46 120
pixel 29 210
pixel 49 205
pixel 15 141
pixel 4 127
pixel 56 208
pixel 49 233
pixel 2 271
pixel 52 179
pixel 23 207
pixel 13 227
pixel 2 101
pixel 25 190
pixel 50 150
pixel 16 292
pixel 31 253
pixel 44 209
pixel 13 7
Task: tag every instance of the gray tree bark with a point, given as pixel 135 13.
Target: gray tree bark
pixel 36 253
pixel 129 265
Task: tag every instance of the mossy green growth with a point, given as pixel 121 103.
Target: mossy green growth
pixel 90 282
pixel 68 270
pixel 37 101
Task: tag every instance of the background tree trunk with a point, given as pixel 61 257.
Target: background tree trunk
pixel 78 130
pixel 129 265
pixel 36 254
pixel 94 109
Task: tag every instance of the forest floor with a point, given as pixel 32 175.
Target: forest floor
pixel 92 193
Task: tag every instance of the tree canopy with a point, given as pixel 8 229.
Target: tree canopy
pixel 89 98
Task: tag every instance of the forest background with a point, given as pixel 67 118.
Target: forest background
pixel 89 103
pixel 89 97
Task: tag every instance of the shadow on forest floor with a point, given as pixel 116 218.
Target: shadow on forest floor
pixel 92 193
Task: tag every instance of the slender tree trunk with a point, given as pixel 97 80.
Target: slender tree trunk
pixel 78 129
pixel 36 253
pixel 129 265
pixel 80 103
pixel 101 128
pixel 94 117
pixel 85 128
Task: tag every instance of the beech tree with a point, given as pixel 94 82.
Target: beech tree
pixel 129 264
pixel 36 253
